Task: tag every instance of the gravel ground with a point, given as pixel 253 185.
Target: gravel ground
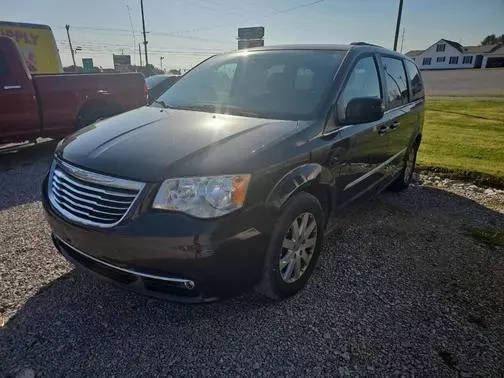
pixel 401 289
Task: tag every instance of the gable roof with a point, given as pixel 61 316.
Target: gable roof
pixel 414 52
pixel 454 44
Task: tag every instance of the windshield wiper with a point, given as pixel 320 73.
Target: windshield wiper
pixel 162 103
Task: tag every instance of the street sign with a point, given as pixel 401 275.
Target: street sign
pixel 122 63
pixel 256 32
pixel 87 64
pixel 249 43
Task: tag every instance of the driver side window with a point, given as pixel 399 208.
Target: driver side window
pixel 363 82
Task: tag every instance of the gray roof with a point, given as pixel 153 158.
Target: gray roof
pixel 482 49
pixel 414 52
pixel 486 49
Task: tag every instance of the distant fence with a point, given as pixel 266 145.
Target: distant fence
pixel 464 82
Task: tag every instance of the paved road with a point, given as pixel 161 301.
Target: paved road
pixel 400 289
pixel 469 82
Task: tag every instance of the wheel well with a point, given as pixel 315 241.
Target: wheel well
pixel 108 108
pixel 322 194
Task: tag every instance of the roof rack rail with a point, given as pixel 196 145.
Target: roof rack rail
pixel 363 44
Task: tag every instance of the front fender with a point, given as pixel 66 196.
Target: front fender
pixel 295 180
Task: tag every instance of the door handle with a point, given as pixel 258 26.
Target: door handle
pixel 9 87
pixel 394 125
pixel 382 129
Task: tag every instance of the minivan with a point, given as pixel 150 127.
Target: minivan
pixel 233 176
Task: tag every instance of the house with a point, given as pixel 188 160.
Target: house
pixel 446 54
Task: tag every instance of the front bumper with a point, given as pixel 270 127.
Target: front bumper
pixel 170 255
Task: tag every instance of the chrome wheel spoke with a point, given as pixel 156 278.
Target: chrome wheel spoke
pixel 286 260
pixel 309 229
pixel 290 268
pixel 305 256
pixel 297 267
pixel 304 222
pixel 309 243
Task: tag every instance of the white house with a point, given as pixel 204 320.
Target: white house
pixel 446 54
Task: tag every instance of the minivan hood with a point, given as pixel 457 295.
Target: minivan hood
pixel 145 144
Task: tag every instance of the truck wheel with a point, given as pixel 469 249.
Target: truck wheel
pixel 294 247
pixel 92 114
pixel 403 180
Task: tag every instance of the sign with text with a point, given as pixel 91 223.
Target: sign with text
pixel 256 32
pixel 122 63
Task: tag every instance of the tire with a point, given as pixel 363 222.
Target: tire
pixel 276 283
pixel 404 179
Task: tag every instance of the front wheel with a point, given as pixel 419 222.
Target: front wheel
pixel 294 247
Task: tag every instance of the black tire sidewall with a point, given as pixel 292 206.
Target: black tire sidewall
pixel 296 205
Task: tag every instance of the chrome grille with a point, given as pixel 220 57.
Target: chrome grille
pixel 90 198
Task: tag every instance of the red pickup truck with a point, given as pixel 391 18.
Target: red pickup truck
pixel 54 105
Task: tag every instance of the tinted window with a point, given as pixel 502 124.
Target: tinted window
pixel 417 90
pixel 397 85
pixel 152 81
pixel 286 84
pixel 363 82
pixel 3 64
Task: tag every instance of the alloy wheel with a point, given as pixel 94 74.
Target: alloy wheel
pixel 298 247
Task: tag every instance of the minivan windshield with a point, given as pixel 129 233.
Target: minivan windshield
pixel 281 84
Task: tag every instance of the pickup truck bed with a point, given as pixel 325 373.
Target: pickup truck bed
pixel 54 105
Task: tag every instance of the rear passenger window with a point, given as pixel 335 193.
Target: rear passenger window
pixel 417 89
pixel 397 85
pixel 363 82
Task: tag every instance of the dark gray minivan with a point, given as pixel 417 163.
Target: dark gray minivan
pixel 231 178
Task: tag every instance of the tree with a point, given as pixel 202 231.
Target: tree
pixel 492 39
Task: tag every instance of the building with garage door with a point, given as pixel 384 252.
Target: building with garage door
pixel 446 54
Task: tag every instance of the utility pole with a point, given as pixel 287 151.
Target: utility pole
pixel 140 54
pixel 145 39
pixel 398 24
pixel 402 39
pixel 70 43
pixel 161 62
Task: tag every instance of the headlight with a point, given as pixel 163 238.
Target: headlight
pixel 203 197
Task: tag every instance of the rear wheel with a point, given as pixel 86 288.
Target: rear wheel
pixel 94 113
pixel 294 247
pixel 404 179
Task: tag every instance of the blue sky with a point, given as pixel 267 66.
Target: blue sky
pixel 187 31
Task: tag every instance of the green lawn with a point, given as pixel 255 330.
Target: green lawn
pixel 464 139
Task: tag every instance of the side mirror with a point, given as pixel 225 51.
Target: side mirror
pixel 364 109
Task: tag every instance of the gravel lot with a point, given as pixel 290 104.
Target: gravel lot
pixel 401 289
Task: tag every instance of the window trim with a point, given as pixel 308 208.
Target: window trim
pixel 427 58
pixel 441 59
pixel 438 45
pixel 330 126
pixel 469 57
pixel 385 97
pixel 456 60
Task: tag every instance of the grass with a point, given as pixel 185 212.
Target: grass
pixel 490 237
pixel 464 139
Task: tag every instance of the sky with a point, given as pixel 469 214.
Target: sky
pixel 185 32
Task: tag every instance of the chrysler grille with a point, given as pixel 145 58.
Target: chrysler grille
pixel 90 198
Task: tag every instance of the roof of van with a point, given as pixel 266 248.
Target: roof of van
pixel 354 45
